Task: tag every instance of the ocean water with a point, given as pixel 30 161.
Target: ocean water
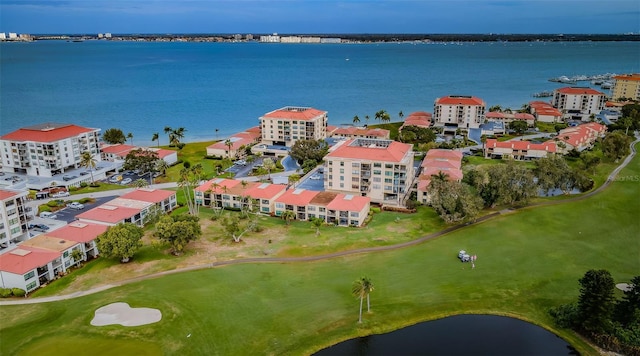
pixel 141 87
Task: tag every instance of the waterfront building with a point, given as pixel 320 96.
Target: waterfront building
pixel 458 112
pixel 351 132
pixel 545 112
pixel 419 119
pixel 285 126
pixel 28 268
pixel 290 39
pixel 310 40
pixel 438 161
pixel 519 150
pixel 506 118
pixel 14 217
pixel 84 233
pixel 626 86
pixel 119 152
pixel 270 38
pixel 578 102
pixel 233 146
pixel 379 169
pixel 579 137
pixel 47 149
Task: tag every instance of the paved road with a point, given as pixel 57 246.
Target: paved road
pixel 321 257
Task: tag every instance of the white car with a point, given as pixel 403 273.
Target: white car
pixel 60 194
pixel 315 177
pixel 75 205
pixel 48 215
pixel 126 181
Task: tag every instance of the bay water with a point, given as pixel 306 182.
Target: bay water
pixel 216 89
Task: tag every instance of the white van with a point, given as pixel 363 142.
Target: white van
pixel 48 215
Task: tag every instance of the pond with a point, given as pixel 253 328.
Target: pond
pixel 459 335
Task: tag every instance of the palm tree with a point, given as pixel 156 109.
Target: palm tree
pixel 293 179
pixel 130 136
pixel 168 130
pixel 362 287
pixel 441 176
pixel 385 117
pixel 176 136
pixel 317 223
pixel 287 216
pixel 269 165
pixel 87 161
pixel 356 119
pixel 217 130
pixel 400 114
pixel 156 137
pixel 161 166
pixel 366 119
pixel 140 183
pixel 229 144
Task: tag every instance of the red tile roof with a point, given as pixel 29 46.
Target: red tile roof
pixel 361 132
pixel 237 140
pixel 24 259
pixel 495 115
pixel 523 116
pixel 295 113
pixel 297 197
pixel 149 195
pixel 441 162
pixel 6 194
pixel 162 153
pixel 521 145
pixel 460 100
pixel 222 183
pixel 264 190
pixel 418 118
pixel 395 152
pixel 48 132
pixel 79 231
pixel 118 149
pixel 579 91
pixel 453 173
pixel 108 213
pixel 633 77
pixel 346 202
pixel 441 153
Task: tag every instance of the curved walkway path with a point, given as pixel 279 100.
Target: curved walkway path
pixel 326 256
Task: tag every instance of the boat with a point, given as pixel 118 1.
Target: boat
pixel 543 94
pixel 606 85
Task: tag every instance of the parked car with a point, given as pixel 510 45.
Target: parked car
pixel 315 177
pixel 60 194
pixel 464 256
pixel 75 205
pixel 115 179
pixel 241 162
pixel 38 227
pixel 48 215
pixel 126 181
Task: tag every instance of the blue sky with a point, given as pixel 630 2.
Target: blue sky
pixel 320 16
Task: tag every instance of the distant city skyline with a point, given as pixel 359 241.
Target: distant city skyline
pixel 314 16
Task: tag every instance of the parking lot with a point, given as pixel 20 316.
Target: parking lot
pixel 128 177
pixel 68 215
pixel 313 181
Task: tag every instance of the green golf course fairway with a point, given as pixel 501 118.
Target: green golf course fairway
pixel 528 261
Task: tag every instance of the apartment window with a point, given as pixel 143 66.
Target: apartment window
pixel 355 165
pixel 29 275
pixel 356 172
pixel 388 166
pixel 265 201
pixel 387 187
pixel 279 205
pixel 341 185
pixel 377 179
pixel 354 214
pixel 341 177
pixel 31 285
pixel 377 165
pixel 311 208
pixel 355 179
pixel 376 186
pixel 341 164
pixel 377 171
pixel 388 180
pixel 355 186
pixel 341 170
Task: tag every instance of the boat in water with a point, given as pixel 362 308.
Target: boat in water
pixel 543 94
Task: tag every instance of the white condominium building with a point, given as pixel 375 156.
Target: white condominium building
pixel 47 149
pixel 283 127
pixel 578 102
pixel 13 217
pixel 458 112
pixel 379 169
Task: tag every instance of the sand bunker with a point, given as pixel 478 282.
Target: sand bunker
pixel 123 314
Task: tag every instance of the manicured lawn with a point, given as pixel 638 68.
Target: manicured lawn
pixel 528 261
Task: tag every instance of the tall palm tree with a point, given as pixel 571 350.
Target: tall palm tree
pixel 87 161
pixel 217 130
pixel 140 183
pixel 229 144
pixel 384 116
pixel 168 130
pixel 156 137
pixel 269 165
pixel 161 166
pixel 366 119
pixel 356 119
pixel 441 176
pixel 317 223
pixel 130 137
pixel 400 114
pixel 361 288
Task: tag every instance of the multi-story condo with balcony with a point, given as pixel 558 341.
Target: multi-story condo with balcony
pixel 285 126
pixel 379 169
pixel 458 112
pixel 14 217
pixel 626 86
pixel 578 102
pixel 47 149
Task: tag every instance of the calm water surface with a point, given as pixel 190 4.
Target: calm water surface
pixel 141 87
pixel 459 335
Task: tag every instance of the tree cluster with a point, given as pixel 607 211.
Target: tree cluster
pixel 615 145
pixel 612 323
pixel 114 136
pixel 304 150
pixel 518 126
pixel 121 241
pixel 453 201
pixel 416 135
pixel 553 172
pixel 141 159
pixel 178 231
pixel 508 184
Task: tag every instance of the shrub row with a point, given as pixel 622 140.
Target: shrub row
pixel 12 292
